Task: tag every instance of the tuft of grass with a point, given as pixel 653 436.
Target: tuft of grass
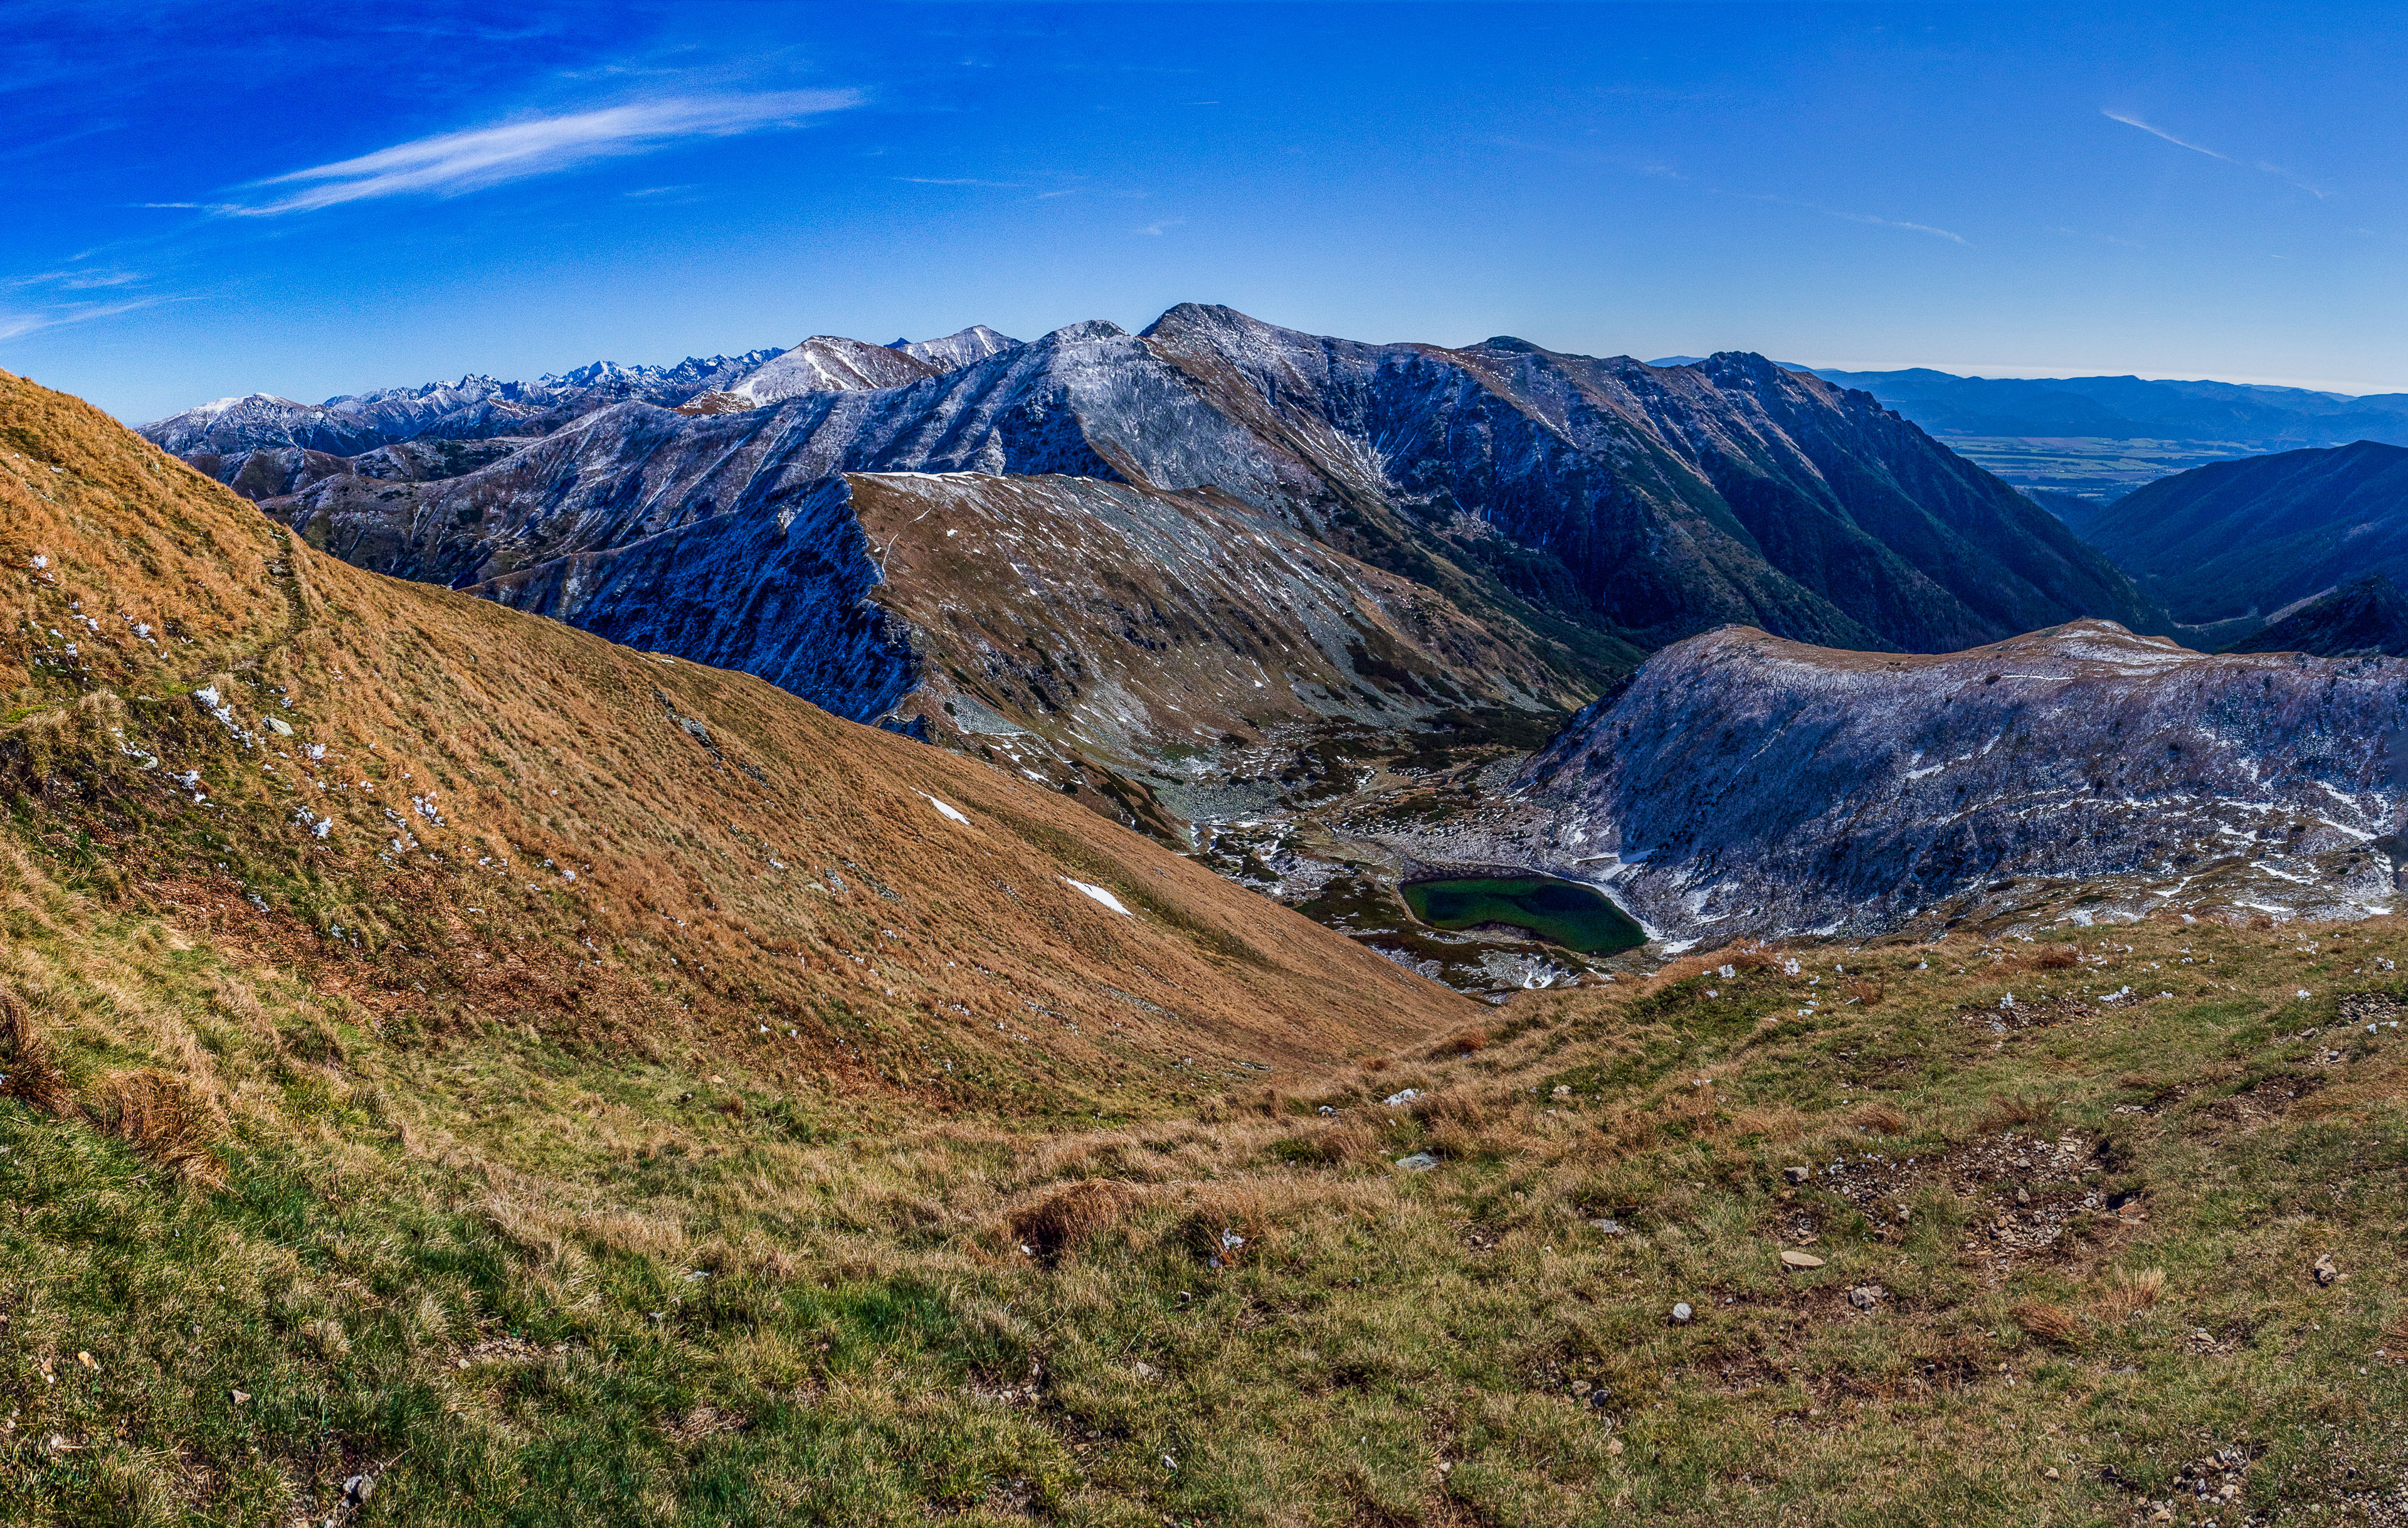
pixel 29 1065
pixel 161 1118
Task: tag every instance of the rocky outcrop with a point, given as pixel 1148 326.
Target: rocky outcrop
pixel 1744 785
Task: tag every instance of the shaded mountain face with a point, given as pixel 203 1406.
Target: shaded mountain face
pixel 463 816
pixel 2247 538
pixel 1600 507
pixel 2367 619
pixel 1744 785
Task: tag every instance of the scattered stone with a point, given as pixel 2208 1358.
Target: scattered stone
pixel 1392 1100
pixel 1144 1370
pixel 357 1489
pixel 1561 1091
pixel 1865 1296
pixel 1796 1174
pixel 1796 1258
pixel 1609 1227
pixel 240 1396
pixel 2325 1270
pixel 1681 1314
pixel 2049 1474
pixel 1420 1161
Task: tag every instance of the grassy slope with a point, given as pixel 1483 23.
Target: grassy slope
pixel 522 1275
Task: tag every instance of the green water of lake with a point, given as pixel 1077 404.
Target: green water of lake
pixel 1556 911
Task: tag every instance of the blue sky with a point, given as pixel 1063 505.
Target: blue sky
pixel 222 198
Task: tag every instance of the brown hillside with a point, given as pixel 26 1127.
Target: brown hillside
pixel 463 815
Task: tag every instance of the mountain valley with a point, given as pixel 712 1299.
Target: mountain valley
pixel 453 1067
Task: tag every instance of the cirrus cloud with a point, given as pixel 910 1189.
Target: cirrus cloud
pixel 449 163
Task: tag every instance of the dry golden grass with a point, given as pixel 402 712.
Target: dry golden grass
pixel 2129 1294
pixel 161 1118
pixel 1062 1221
pixel 29 1065
pixel 2049 1322
pixel 1882 1119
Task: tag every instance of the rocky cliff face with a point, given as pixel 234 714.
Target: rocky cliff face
pixel 1744 785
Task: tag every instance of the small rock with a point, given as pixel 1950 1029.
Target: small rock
pixel 1614 1445
pixel 1865 1296
pixel 1420 1161
pixel 2049 1474
pixel 1406 1097
pixel 2022 1195
pixel 1144 1370
pixel 1609 1227
pixel 1681 1314
pixel 1796 1258
pixel 85 1359
pixel 240 1396
pixel 2325 1270
pixel 1561 1091
pixel 358 1488
pixel 1796 1174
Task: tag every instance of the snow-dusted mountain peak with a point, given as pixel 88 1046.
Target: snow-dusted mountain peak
pixel 959 349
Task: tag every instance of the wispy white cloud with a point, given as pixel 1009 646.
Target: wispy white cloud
pixel 1867 218
pixel 16 323
pixel 954 181
pixel 1154 229
pixel 449 163
pixel 2133 120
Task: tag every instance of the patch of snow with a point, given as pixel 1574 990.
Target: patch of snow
pixel 1099 894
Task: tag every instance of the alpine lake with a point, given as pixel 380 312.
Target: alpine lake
pixel 1559 911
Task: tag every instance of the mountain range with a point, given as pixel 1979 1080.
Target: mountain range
pixel 1557 516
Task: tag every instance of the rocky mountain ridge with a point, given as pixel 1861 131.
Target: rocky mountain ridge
pixel 1743 785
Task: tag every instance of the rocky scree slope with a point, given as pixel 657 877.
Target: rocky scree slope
pixel 2242 541
pixel 1744 785
pixel 460 817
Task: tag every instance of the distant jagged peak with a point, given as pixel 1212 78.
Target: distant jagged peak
pixel 828 362
pixel 963 347
pixel 1084 330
